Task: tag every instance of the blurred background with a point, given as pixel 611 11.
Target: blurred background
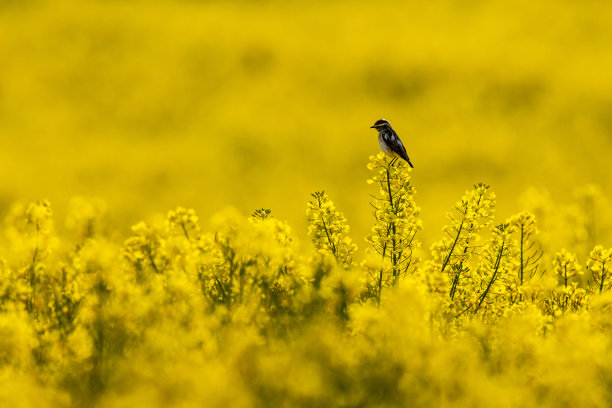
pixel 149 105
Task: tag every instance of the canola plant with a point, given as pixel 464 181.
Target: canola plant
pixel 395 288
pixel 244 316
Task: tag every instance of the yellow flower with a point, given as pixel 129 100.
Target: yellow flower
pixel 328 229
pixel 396 223
pixel 567 267
pixel 600 262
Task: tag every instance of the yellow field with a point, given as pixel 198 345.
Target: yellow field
pixel 150 105
pixel 117 112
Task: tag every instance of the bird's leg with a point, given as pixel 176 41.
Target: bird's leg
pixel 393 161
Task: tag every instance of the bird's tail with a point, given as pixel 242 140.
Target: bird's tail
pixel 405 157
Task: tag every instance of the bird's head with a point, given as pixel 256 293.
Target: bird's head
pixel 381 124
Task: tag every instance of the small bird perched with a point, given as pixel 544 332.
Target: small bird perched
pixel 389 141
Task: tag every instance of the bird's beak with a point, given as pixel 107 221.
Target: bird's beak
pixel 373 127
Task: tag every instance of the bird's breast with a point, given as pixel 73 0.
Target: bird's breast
pixel 383 145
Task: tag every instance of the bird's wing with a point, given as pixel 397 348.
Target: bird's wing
pixel 394 142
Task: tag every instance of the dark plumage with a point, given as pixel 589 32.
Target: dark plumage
pixel 389 141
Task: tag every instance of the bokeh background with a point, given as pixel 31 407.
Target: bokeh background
pixel 206 104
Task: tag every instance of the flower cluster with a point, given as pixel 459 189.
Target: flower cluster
pixel 492 280
pixel 328 229
pixel 396 224
pixel 452 253
pixel 568 296
pixel 567 268
pixel 95 322
pixel 599 263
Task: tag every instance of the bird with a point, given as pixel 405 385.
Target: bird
pixel 389 141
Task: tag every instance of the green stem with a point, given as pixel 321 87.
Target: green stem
pixel 521 267
pixel 327 232
pixel 380 277
pixel 493 278
pixel 455 282
pixel 389 189
pixel 185 231
pixel 152 259
pixel 452 247
pixel 329 238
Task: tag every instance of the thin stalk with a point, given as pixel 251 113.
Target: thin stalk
pixel 327 232
pixel 185 231
pixel 493 278
pixel 452 247
pixel 152 259
pixel 389 189
pixel 380 277
pixel 521 267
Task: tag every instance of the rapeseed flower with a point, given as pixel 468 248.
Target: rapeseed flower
pixel 99 321
pixel 328 229
pixel 397 222
pixel 599 263
pixel 452 253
